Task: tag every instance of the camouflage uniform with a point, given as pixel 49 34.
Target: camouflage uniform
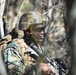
pixel 17 61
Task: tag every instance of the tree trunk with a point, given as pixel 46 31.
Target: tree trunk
pixel 71 25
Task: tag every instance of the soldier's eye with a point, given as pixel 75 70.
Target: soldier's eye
pixel 37 29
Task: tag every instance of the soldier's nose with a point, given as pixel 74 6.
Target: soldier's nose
pixel 42 32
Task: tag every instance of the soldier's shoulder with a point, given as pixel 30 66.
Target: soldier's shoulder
pixel 20 42
pixel 6 39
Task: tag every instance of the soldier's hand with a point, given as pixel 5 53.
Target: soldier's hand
pixel 47 69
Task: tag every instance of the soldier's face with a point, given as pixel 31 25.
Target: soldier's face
pixel 38 33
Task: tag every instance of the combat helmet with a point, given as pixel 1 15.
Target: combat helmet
pixel 30 19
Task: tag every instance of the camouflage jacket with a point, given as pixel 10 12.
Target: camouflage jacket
pixel 17 62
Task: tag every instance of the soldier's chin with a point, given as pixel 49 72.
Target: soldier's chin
pixel 40 39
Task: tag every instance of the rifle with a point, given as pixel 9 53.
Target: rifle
pixel 57 65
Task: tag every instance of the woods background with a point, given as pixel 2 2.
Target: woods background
pixel 61 25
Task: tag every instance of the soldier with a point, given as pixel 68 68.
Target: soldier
pixel 17 54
